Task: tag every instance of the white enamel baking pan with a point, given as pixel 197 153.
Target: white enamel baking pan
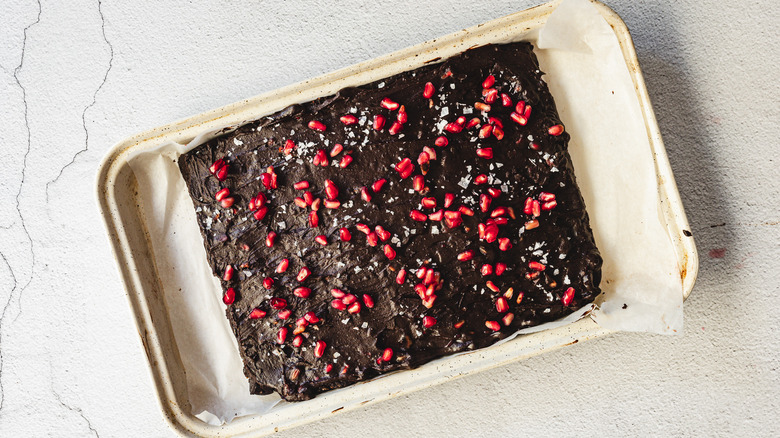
pixel 116 190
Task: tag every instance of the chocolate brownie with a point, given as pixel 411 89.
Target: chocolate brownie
pixel 431 212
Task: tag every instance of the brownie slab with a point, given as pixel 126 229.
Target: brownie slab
pixel 428 213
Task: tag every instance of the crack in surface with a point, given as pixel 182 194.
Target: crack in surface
pixel 73 409
pixel 91 104
pixel 18 196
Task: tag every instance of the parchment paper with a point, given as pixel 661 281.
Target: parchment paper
pixel 613 164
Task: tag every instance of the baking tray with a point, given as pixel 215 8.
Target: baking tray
pixel 117 197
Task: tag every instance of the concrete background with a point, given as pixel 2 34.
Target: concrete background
pixel 78 76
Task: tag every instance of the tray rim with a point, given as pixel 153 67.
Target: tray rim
pixel 184 423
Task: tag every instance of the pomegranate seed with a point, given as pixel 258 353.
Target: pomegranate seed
pixel 423 158
pixel 431 153
pixel 496 121
pixel 536 266
pixel 387 103
pixel 527 112
pixel 549 205
pixel 401 276
pixel 363 228
pixel 222 194
pixel 428 90
pixel 368 301
pixel 418 216
pixel 481 230
pixel 379 122
pixel 453 127
pixel 501 305
pixel 472 123
pixel 303 274
pixel 421 272
pixel 555 130
pixel 301 185
pixel 493 325
pixel 278 303
pixel 308 197
pixel 484 202
pixel 281 335
pixel 504 244
pixel 568 296
pixel 322 158
pixel 441 141
pixel 546 196
pixel 289 146
pixel 489 81
pixel 354 308
pixel 331 204
pixel 534 146
pixel 382 233
pixel 282 266
pixel 418 183
pixel 311 318
pixel 345 160
pixel 402 116
pixel 404 164
pixel 491 95
pixel 338 305
pixel 315 205
pixel 507 319
pixel 429 278
pixel 420 289
pixel 520 297
pixel 498 133
pixel 491 233
pixel 494 192
pixel 387 355
pixel 365 195
pixel 485 131
pixel 532 275
pixel 452 223
pixel 227 202
pixel 348 119
pixel 314 220
pixel 460 120
pixel 284 313
pixel 256 314
pixel 486 270
pixel 395 128
pixel 221 173
pixel 377 186
pixel 429 321
pixel 436 216
pixel 228 273
pixel 268 282
pixel 345 235
pixel 372 239
pixel 229 297
pixel 506 100
pixel 466 255
pixel 536 210
pixel 520 107
pixel 465 210
pixel 331 191
pixel 269 240
pixel 321 239
pixel 328 368
pixel 319 348
pixel 317 125
pixel 338 293
pixel 219 164
pixel 297 341
pixel 518 118
pixel 429 203
pixel 528 207
pixel 448 200
pixel 267 180
pixel 500 268
pixel 530 225
pixel 302 292
pixel 481 179
pixel 459 324
pixel 482 107
pixel 500 211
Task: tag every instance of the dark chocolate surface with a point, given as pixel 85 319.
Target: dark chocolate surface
pixel 527 162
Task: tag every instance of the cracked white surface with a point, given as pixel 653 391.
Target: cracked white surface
pixel 78 76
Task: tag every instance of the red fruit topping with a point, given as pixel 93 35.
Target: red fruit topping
pixel 498 133
pixel 319 348
pixel 268 282
pixel 368 301
pixel 311 318
pixel 308 197
pixel 429 202
pixel 395 128
pixel 282 266
pixel 389 252
pixel 216 166
pixel 354 308
pixel 317 125
pixel 437 216
pixel 486 270
pixel 481 179
pixel 402 116
pixel 404 164
pixel 418 183
pixel 518 118
pixel 377 186
pixel 568 296
pixel 421 272
pixel 500 268
pixel 372 239
pixel 428 90
pixel 500 211
pixel 555 130
pixel 429 321
pixel 331 204
pixel 301 185
pixel 221 173
pixel 314 220
pixel 401 276
pixel 494 192
pixel 481 230
pixel 303 274
pixel 441 141
pixel 491 95
pixel 227 202
pixel 229 297
pixel 472 123
pixel 284 313
pixel 482 107
pixel 448 199
pixel 338 293
pixel 349 299
pixel 256 314
pixel 491 233
pixel 365 195
pixel 278 303
pixel 345 160
pixel 484 202
pixel 536 266
pixel 363 228
pixel 331 191
pixel 489 81
pixel 501 305
pixel 418 216
pixel 506 100
pixel 281 335
pixel 549 205
pixel 289 146
pixel 379 122
pixel 297 341
pixel 496 121
pixel 338 305
pixel 466 255
pixel 302 292
pixel 453 127
pixel 485 131
pixel 389 104
pixel 387 355
pixel 504 244
pixel 459 324
pixel 493 325
pixel 536 209
pixel 222 194
pixel 321 159
pixel 430 151
pixel 345 235
pixel 348 119
pixel 228 273
pixel 382 233
pixel 423 158
pixel 466 210
pixel 530 225
pixel 507 319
